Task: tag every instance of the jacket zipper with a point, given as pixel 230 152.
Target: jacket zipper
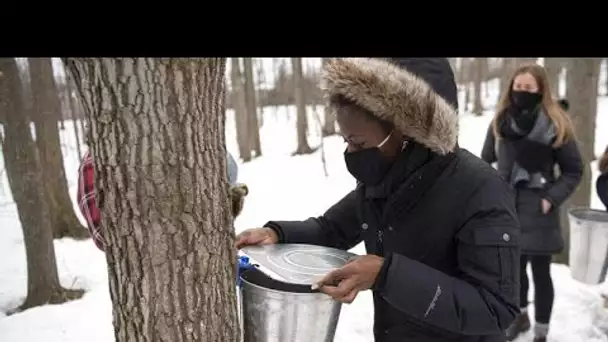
pixel 380 241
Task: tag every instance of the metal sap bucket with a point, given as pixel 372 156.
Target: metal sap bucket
pixel 588 245
pixel 277 302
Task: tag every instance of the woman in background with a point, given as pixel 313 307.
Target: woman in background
pixel 529 135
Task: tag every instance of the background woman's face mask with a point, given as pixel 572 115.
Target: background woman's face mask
pixel 525 99
pixel 368 165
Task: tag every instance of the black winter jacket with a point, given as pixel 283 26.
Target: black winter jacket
pixel 541 232
pixel 451 251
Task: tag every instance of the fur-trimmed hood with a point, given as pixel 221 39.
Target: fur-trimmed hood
pixel 397 95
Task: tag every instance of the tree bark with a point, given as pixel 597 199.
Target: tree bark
pixel 252 108
pixel 554 68
pixel 301 119
pixel 158 140
pixel 329 122
pixel 581 91
pixel 478 79
pixel 45 111
pixel 25 180
pixel 240 113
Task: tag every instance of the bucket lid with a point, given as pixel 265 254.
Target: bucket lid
pixel 297 263
pixel 588 214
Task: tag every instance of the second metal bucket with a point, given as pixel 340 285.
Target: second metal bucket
pixel 588 245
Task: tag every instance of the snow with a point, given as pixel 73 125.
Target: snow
pixel 281 187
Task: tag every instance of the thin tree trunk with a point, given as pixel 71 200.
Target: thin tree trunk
pixel 160 154
pixel 485 77
pixel 525 60
pixel 240 113
pixel 508 68
pixel 606 74
pixel 25 180
pixel 46 107
pixel 261 76
pixel 478 79
pixel 301 119
pixel 582 93
pixel 252 108
pixel 329 122
pixel 75 115
pixel 554 67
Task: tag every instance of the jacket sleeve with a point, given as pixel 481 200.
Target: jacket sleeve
pixel 488 152
pixel 337 228
pixel 481 297
pixel 571 167
pixel 87 200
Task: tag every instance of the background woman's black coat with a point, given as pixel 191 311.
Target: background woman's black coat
pixel 540 232
pixel 443 219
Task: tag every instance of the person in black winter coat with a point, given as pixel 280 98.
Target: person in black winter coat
pixel 601 184
pixel 439 225
pixel 529 135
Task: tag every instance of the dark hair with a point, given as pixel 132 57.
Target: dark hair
pixel 340 101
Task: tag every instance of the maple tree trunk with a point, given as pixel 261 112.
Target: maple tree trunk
pixel 301 119
pixel 581 91
pixel 508 67
pixel 329 122
pixel 240 112
pixel 158 137
pixel 25 180
pixel 478 80
pixel 45 112
pixel 554 67
pixel 251 105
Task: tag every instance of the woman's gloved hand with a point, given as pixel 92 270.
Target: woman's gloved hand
pixel 238 192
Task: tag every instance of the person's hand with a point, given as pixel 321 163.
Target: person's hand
pixel 256 236
pixel 343 284
pixel 546 206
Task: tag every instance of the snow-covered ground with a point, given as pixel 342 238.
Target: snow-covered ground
pixel 281 187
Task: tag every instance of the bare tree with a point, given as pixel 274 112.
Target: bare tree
pixel 329 122
pixel 25 180
pixel 581 91
pixel 519 61
pixel 251 105
pixel 261 76
pixel 157 129
pixel 45 113
pixel 508 67
pixel 240 112
pixel 302 120
pixel 606 73
pixel 554 68
pixel 478 71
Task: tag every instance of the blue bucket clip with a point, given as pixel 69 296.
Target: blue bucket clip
pixel 243 265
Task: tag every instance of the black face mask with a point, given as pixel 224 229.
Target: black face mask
pixel 369 166
pixel 525 100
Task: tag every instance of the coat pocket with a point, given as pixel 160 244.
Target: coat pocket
pixel 495 255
